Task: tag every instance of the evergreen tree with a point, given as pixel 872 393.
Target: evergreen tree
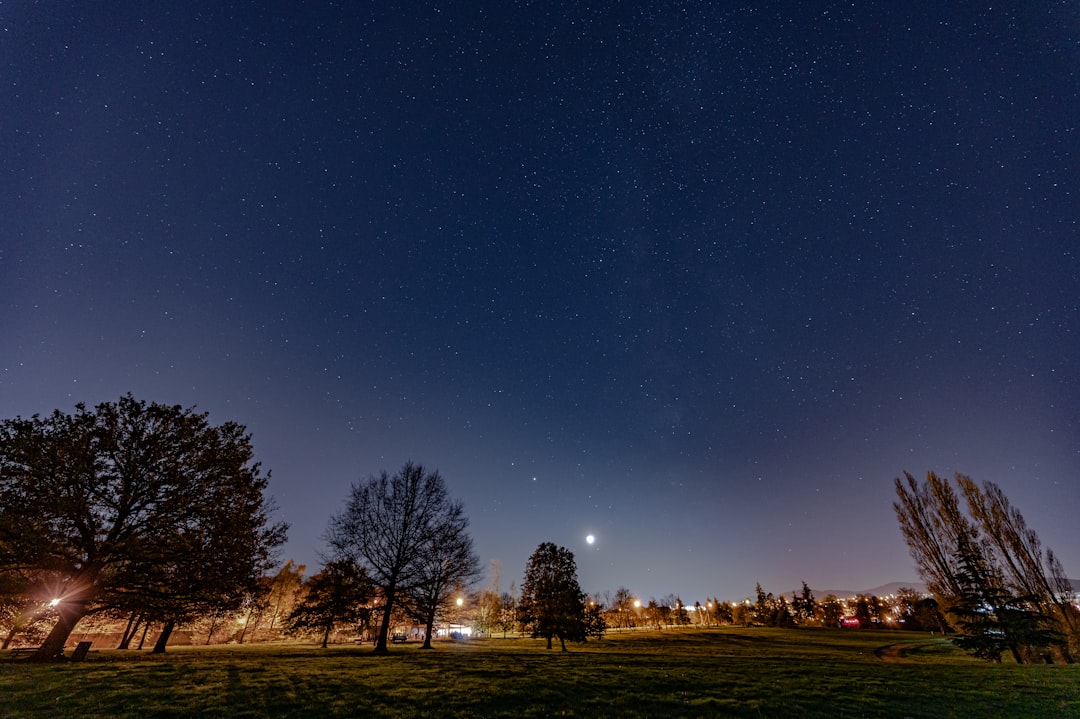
pixel 552 603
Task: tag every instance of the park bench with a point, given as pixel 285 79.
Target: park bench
pixel 78 655
pixel 399 638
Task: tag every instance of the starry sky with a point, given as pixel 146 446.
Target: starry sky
pixel 698 278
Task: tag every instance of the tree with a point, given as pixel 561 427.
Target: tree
pixel 389 527
pixel 831 610
pixel 623 606
pixel 508 613
pixel 987 557
pixel 1029 572
pixel 803 605
pixel 133 505
pixel 552 603
pixel 337 595
pixel 764 606
pixel 724 612
pixel 595 623
pixel 447 566
pixel 742 613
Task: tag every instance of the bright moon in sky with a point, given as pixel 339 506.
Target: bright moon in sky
pixel 589 539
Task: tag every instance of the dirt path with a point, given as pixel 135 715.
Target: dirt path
pixel 893 652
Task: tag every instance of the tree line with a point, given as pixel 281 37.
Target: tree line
pixel 150 515
pixel 144 515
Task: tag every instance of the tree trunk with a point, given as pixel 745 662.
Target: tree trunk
pixel 384 626
pixel 428 627
pixel 1016 654
pixel 213 628
pixel 549 641
pixel 163 638
pixel 52 649
pixel 562 642
pixel 326 635
pixel 129 631
pixel 142 639
pixel 10 635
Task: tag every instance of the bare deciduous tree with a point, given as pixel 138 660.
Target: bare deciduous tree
pixel 389 526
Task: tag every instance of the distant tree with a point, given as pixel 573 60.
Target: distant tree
pixel 991 546
pixel 388 527
pixel 764 606
pixel 831 610
pixel 679 615
pixel 654 614
pixel 803 606
pixel 724 612
pixel 338 595
pixel 928 615
pixel 742 613
pixel 863 611
pixel 488 610
pixel 508 611
pixel 552 603
pixel 283 591
pixel 781 615
pixel 134 505
pixel 595 622
pixel 623 608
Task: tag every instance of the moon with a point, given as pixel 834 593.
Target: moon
pixel 589 539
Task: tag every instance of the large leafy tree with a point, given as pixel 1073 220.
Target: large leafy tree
pixel 987 569
pixel 390 526
pixel 133 505
pixel 552 603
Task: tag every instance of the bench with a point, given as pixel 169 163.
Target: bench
pixel 397 638
pixel 22 652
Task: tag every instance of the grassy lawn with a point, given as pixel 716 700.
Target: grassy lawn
pixel 714 673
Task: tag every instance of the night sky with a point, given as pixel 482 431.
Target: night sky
pixel 697 278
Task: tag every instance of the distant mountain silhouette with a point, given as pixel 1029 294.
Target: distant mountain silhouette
pixel 882 591
pixel 890 588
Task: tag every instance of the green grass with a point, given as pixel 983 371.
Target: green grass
pixel 716 673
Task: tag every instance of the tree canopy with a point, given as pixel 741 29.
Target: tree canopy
pixel 552 603
pixel 132 505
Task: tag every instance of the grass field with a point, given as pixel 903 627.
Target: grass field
pixel 725 672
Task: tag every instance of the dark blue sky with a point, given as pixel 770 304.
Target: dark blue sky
pixel 698 280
